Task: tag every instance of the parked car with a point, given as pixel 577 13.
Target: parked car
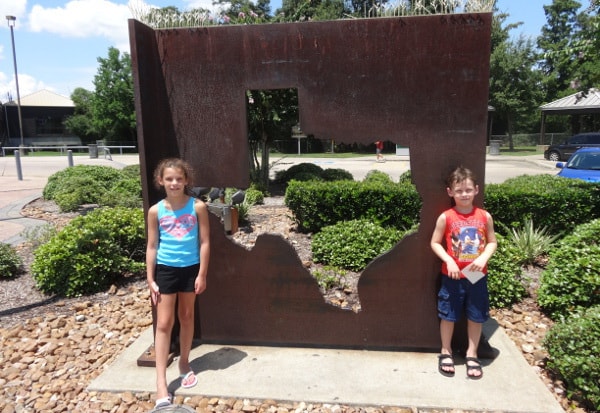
pixel 563 151
pixel 584 164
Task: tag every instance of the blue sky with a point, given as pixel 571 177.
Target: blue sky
pixel 58 42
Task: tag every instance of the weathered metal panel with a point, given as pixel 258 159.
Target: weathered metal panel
pixel 421 82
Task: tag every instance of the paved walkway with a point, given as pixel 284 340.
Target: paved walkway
pixel 302 374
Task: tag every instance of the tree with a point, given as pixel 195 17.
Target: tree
pixel 515 84
pixel 558 35
pixel 113 105
pixel 81 123
pixel 271 114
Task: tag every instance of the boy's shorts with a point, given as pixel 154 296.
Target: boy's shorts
pixel 171 280
pixel 458 296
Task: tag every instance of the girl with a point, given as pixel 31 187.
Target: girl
pixel 177 257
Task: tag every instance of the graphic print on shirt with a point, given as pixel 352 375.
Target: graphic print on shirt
pixel 467 242
pixel 178 227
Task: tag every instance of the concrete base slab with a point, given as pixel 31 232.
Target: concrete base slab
pixel 336 376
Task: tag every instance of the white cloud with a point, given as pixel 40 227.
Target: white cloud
pixel 27 86
pixel 13 8
pixel 84 18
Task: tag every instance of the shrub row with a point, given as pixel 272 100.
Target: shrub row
pixel 559 204
pixel 318 204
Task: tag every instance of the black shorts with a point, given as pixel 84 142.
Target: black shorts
pixel 172 280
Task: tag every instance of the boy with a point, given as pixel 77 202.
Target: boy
pixel 462 257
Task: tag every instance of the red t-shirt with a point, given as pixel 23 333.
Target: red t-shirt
pixel 466 236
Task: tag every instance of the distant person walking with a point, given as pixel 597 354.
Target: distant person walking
pixel 464 239
pixel 379 151
pixel 177 254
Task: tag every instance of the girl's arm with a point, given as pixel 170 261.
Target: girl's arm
pixel 204 228
pixel 151 248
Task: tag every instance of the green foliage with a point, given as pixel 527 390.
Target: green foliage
pixel 330 277
pixel 81 190
pixel 81 122
pixel 61 180
pixel 113 104
pixel 554 203
pixel 319 204
pixel 297 172
pixel 375 176
pixel 505 285
pixel 91 252
pixel 39 234
pixel 574 347
pixel 93 184
pixel 254 197
pixel 529 242
pixel 336 174
pixel 572 278
pixel 353 244
pixel 10 262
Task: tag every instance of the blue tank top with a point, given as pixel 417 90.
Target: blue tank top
pixel 178 244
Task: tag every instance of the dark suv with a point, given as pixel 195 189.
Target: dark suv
pixel 563 151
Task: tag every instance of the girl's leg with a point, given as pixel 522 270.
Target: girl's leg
pixel 165 318
pixel 185 312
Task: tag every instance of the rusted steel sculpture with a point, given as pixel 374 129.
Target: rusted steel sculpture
pixel 421 82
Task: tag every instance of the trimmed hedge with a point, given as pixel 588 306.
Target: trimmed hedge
pixel 559 204
pixel 319 204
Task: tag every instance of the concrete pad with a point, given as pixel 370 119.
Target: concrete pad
pixel 336 376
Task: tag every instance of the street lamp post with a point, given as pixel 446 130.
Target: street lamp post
pixel 11 23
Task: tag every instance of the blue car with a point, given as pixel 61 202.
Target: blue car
pixel 584 164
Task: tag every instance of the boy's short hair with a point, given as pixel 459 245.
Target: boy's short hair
pixel 459 175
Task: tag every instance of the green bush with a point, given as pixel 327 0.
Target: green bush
pixel 61 181
pixel 571 280
pixel 92 184
pixel 10 262
pixel 299 172
pixel 505 284
pixel 91 252
pixel 336 174
pixel 375 176
pixel 127 192
pixel 353 244
pixel 80 191
pixel 319 204
pixel 574 353
pixel 558 204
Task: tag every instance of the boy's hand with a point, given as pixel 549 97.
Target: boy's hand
pixel 453 270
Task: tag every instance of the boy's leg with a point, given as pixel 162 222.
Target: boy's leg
pixel 474 334
pixel 165 318
pixel 185 312
pixel 446 331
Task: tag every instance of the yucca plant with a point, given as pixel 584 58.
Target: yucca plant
pixel 530 242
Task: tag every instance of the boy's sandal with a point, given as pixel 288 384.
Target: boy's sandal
pixel 442 362
pixel 473 367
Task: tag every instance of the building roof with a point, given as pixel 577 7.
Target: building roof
pixel 44 98
pixel 579 102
